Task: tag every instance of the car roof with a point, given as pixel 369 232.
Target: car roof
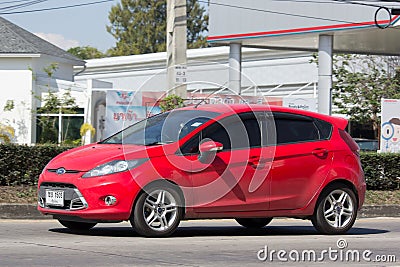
pixel 239 108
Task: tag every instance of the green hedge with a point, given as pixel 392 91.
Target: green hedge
pixel 382 170
pixel 23 164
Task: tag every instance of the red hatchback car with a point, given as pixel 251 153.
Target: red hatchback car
pixel 247 162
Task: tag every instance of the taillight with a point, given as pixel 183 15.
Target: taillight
pixel 350 142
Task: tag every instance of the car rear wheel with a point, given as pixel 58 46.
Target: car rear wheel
pixel 77 226
pixel 253 222
pixel 158 211
pixel 336 210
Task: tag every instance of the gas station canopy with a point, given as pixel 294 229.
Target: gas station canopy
pixel 366 27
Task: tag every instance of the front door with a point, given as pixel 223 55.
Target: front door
pixel 238 178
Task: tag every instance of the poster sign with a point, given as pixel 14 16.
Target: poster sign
pixel 308 104
pixel 390 125
pixel 195 98
pixel 152 99
pixel 123 108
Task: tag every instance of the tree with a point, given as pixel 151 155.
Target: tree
pixel 171 102
pixel 139 26
pixel 85 128
pixel 360 82
pixel 197 25
pixel 86 52
pixel 7 132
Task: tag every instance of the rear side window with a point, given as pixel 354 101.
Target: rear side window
pixel 324 128
pixel 292 128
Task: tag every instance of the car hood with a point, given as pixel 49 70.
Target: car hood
pixel 88 157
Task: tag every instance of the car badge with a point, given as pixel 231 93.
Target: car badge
pixel 60 171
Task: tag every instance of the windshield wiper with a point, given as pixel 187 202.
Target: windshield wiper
pixel 158 143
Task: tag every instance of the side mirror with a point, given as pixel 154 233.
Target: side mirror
pixel 208 149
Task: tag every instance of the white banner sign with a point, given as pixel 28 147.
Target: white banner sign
pixel 180 74
pixel 390 125
pixel 308 104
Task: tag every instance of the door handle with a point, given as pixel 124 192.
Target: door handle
pixel 258 163
pixel 320 152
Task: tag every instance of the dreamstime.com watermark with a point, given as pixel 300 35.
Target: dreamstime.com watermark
pixel 340 253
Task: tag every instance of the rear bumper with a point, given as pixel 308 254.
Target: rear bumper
pixel 361 194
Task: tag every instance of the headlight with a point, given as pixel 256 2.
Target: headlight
pixel 114 167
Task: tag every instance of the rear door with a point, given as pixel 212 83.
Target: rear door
pixel 303 159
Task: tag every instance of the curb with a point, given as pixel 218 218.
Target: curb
pixel 20 211
pixel 379 211
pixel 29 211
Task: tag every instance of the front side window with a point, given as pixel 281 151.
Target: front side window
pixel 235 132
pixel 162 129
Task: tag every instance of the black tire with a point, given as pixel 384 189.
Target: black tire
pixel 253 222
pixel 77 226
pixel 336 210
pixel 163 216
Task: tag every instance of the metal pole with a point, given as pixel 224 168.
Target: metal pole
pixel 176 47
pixel 325 63
pixel 235 67
pixel 89 114
pixel 60 128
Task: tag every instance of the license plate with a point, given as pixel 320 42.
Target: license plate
pixel 55 198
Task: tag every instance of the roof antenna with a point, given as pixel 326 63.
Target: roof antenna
pixel 213 92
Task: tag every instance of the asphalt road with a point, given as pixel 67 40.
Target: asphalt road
pixel 199 243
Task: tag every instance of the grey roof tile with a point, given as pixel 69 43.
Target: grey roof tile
pixel 15 40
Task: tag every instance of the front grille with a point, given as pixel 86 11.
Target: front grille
pixel 66 171
pixel 73 199
pixel 57 185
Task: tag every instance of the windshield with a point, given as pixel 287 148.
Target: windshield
pixel 162 129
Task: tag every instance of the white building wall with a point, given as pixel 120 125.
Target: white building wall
pixel 296 70
pixel 16 85
pixel 12 63
pixel 64 70
pixel 37 63
pixel 22 80
pixel 208 67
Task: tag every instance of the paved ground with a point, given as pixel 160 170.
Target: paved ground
pixel 29 211
pixel 196 243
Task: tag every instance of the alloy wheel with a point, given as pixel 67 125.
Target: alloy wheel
pixel 160 210
pixel 338 208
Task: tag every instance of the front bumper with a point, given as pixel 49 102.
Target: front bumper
pixel 85 197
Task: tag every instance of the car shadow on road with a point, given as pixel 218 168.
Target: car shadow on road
pixel 206 231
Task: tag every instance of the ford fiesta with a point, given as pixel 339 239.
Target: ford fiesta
pixel 246 162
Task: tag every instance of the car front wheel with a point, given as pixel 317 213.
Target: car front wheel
pixel 336 210
pixel 158 211
pixel 253 222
